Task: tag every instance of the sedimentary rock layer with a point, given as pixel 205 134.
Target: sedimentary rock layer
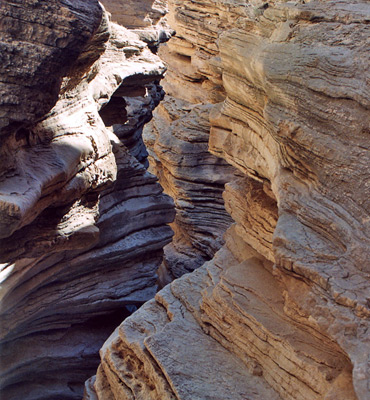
pixel 177 141
pixel 83 223
pixel 50 36
pixel 287 296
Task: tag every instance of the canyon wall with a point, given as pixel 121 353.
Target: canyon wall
pixel 262 140
pixel 177 141
pixel 282 309
pixel 82 224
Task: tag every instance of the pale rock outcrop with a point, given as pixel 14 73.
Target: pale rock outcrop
pixel 83 224
pixel 137 14
pixel 154 353
pixel 147 18
pixel 287 296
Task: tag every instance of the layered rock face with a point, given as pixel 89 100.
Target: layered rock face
pixel 177 138
pixel 177 141
pixel 282 310
pixel 83 223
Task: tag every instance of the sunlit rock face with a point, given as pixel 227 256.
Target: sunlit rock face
pixel 83 223
pixel 282 310
pixel 147 18
pixel 135 14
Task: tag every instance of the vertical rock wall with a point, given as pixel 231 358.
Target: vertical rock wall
pixel 82 223
pixel 177 141
pixel 282 310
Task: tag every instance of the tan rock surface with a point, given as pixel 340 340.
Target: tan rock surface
pixel 279 91
pixel 133 14
pixel 147 18
pixel 288 295
pixel 153 356
pixel 306 133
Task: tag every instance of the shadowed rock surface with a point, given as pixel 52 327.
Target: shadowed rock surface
pixel 177 142
pixel 83 224
pixel 50 36
pixel 287 296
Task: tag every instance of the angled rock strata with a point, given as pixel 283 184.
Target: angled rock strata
pixel 82 223
pixel 282 310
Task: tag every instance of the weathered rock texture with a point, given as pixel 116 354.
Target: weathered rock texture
pixel 147 18
pixel 82 223
pixel 282 310
pixel 177 141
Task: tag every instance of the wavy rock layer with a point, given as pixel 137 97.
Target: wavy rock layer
pixel 83 224
pixel 177 141
pixel 50 36
pixel 282 311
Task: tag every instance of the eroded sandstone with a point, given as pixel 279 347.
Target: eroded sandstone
pixel 83 224
pixel 271 99
pixel 287 295
pixel 177 142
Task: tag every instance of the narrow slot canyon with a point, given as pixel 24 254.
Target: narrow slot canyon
pixel 184 200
